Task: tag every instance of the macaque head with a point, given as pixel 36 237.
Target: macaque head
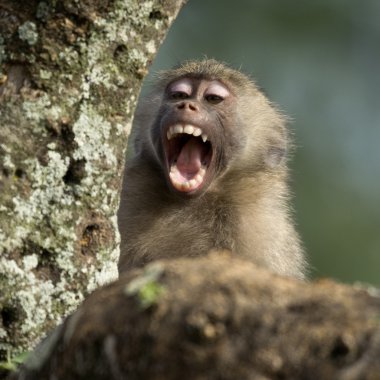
pixel 205 119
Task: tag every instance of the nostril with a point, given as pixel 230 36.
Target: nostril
pixel 187 105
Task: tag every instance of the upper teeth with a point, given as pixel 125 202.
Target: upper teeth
pixel 189 129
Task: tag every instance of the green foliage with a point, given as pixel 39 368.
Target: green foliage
pixel 150 293
pixel 146 287
pixel 12 363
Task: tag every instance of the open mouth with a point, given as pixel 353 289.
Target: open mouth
pixel 189 153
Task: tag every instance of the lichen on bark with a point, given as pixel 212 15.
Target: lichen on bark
pixel 69 79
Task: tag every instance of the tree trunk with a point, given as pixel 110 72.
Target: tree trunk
pixel 214 318
pixel 70 76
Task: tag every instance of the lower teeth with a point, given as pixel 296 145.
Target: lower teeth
pixel 190 184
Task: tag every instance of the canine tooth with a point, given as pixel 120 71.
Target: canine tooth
pixel 178 129
pixel 197 132
pixel 189 129
pixel 170 133
pixel 204 137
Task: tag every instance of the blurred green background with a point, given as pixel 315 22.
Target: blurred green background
pixel 320 62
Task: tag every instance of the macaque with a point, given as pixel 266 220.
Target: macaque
pixel 208 173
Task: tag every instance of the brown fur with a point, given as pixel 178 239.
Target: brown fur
pixel 244 209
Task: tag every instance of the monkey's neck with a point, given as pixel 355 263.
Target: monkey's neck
pixel 247 217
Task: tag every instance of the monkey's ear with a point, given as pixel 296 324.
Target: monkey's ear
pixel 276 155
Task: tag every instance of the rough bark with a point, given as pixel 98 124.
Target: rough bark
pixel 70 76
pixel 215 318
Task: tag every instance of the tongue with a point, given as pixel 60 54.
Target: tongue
pixel 189 160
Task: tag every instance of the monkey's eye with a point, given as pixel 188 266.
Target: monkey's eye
pixel 214 99
pixel 216 92
pixel 178 95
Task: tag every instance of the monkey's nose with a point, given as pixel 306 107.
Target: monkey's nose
pixel 187 105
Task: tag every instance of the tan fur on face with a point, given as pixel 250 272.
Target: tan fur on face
pixel 244 209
